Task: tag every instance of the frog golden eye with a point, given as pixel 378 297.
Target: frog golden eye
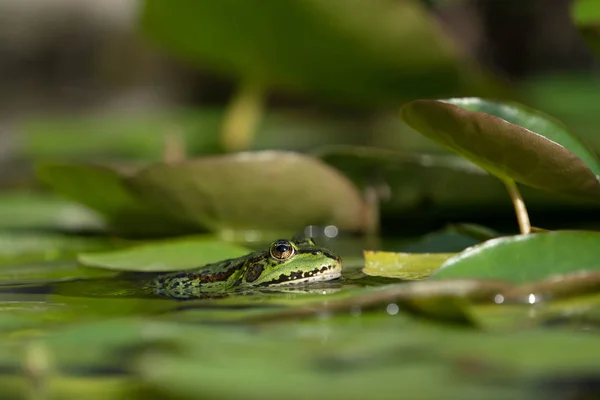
pixel 281 250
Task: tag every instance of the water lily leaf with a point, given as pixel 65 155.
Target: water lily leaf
pixel 48 272
pixel 526 258
pixel 407 266
pixel 31 210
pixel 370 38
pixel 510 141
pixel 165 255
pixel 103 189
pixel 22 247
pixel 266 190
pixel 422 187
pixel 586 15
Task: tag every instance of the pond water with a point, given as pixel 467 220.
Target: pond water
pixel 103 337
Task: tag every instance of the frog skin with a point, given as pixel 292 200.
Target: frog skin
pixel 285 262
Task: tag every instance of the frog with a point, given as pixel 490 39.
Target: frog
pixel 285 262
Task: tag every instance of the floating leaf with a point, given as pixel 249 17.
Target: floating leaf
pixel 267 190
pixel 23 247
pixel 370 38
pixel 31 210
pixel 526 258
pixel 48 272
pixel 103 189
pixel 406 266
pixel 510 141
pixel 165 255
pixel 586 14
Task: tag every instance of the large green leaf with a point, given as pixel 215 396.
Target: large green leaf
pixel 104 189
pixel 510 141
pixel 268 190
pixel 349 51
pixel 526 258
pixel 33 210
pixel 167 255
pixel 20 247
pixel 586 14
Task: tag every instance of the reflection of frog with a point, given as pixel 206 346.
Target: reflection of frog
pixel 285 262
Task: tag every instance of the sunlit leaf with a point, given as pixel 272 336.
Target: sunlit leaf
pixel 167 255
pixel 406 266
pixel 526 258
pixel 510 141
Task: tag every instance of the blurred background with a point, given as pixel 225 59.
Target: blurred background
pixel 102 81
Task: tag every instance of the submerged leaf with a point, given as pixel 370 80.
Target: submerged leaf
pixel 510 141
pixel 408 266
pixel 526 258
pixel 165 255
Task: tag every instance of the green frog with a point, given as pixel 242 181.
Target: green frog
pixel 285 262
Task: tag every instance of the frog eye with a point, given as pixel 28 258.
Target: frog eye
pixel 282 250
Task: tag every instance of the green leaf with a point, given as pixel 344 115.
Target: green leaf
pixel 586 14
pixel 103 189
pixel 47 272
pixel 526 258
pixel 423 186
pixel 406 266
pixel 31 210
pixel 510 141
pixel 23 247
pixel 289 44
pixel 266 190
pixel 165 255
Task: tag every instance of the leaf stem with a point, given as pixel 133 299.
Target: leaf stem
pixel 242 116
pixel 519 204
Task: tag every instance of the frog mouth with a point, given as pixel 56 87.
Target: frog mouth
pixel 319 274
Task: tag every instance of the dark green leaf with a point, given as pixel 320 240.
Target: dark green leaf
pixel 510 141
pixel 349 51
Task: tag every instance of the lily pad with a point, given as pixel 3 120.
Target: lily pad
pixel 510 141
pixel 422 187
pixel 266 190
pixel 407 266
pixel 290 44
pixel 165 255
pixel 104 189
pixel 526 258
pixel 586 15
pixel 25 247
pixel 34 210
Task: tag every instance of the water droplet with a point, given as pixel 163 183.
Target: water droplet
pixel 331 231
pixel 498 299
pixel 392 309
